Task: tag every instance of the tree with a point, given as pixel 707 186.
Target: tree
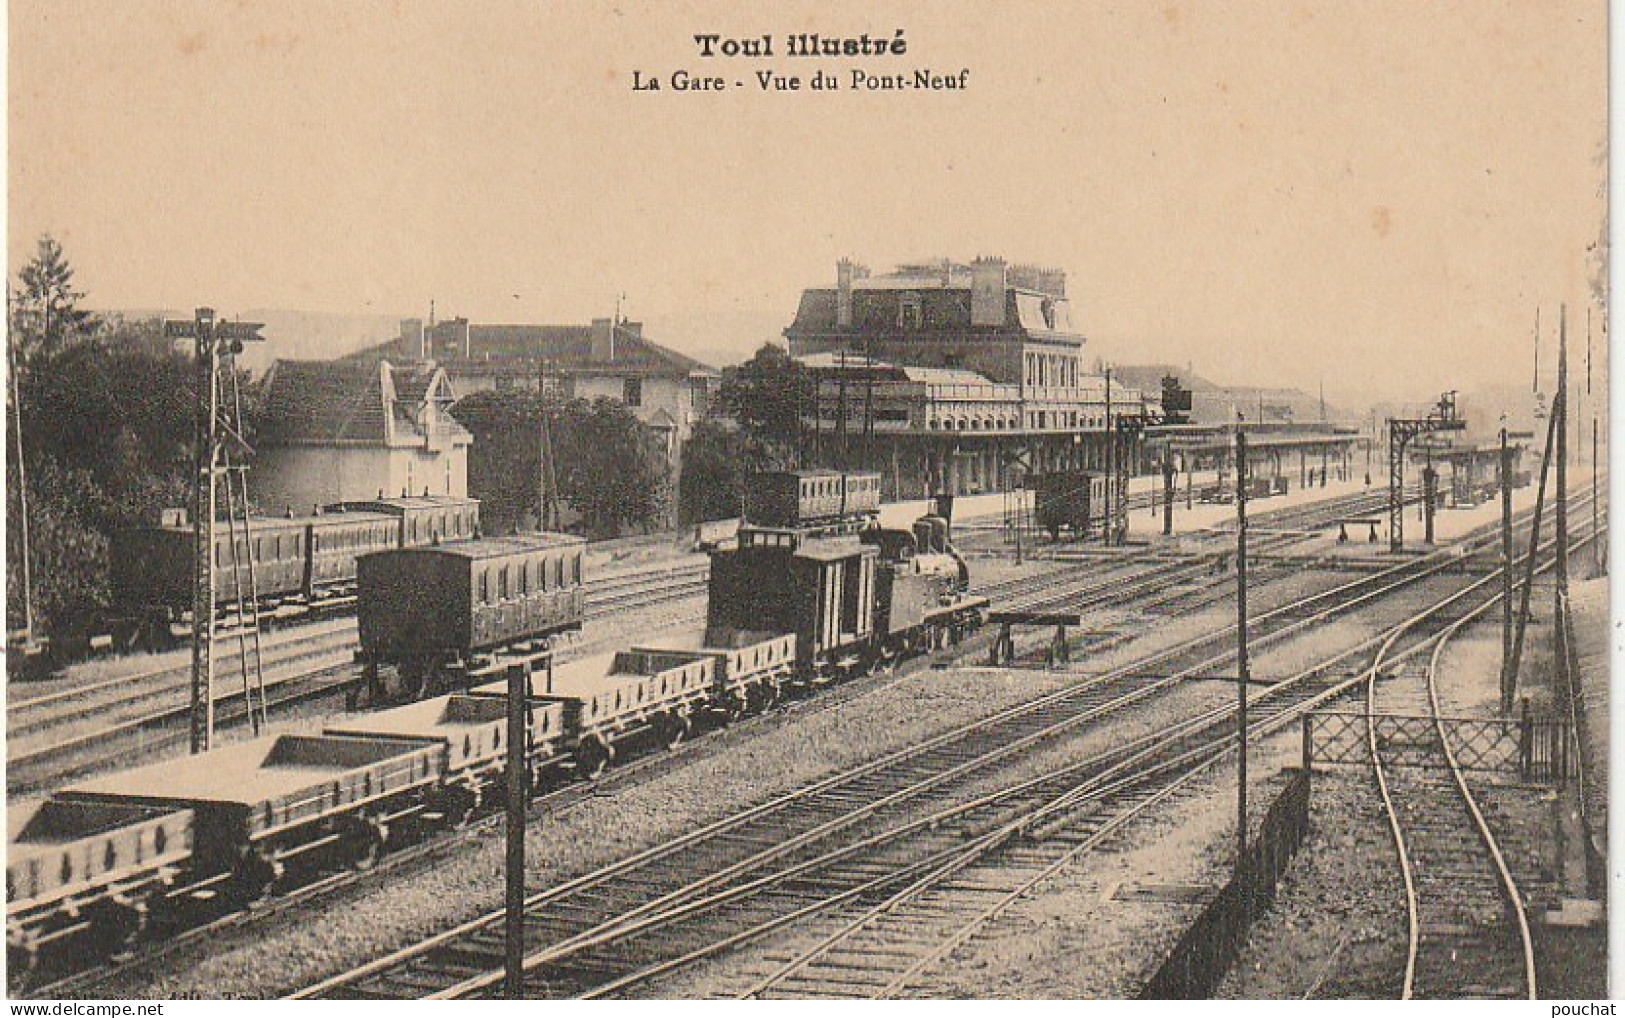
pixel 608 465
pixel 504 463
pixel 47 316
pixel 610 468
pixel 719 459
pixel 767 395
pixel 763 400
pixel 68 552
pixel 116 404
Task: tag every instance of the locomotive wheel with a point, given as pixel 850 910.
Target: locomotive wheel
pixel 592 759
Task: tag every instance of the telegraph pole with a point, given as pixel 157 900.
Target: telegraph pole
pixel 1529 565
pixel 1597 542
pixel 1241 647
pixel 514 983
pixel 1506 575
pixel 1167 491
pixel 1562 409
pixel 22 483
pixel 549 508
pixel 1111 466
pixel 206 445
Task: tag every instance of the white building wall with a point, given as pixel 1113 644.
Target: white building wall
pixel 300 477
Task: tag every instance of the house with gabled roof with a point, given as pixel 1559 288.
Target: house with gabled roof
pixel 340 431
pixel 666 390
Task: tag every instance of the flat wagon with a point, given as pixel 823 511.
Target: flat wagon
pixel 90 868
pixel 263 804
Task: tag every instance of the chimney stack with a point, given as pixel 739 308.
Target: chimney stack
pixel 1052 282
pixel 460 333
pixel 987 288
pixel 414 338
pixel 603 339
pixel 847 272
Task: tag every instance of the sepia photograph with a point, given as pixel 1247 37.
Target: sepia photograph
pixel 691 500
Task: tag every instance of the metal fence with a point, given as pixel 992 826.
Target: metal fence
pixel 1203 955
pixel 1533 750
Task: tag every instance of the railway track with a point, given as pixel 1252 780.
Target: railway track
pixel 746 859
pixel 52 740
pixel 883 948
pixel 1467 935
pixel 415 855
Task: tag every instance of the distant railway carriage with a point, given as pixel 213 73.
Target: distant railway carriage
pixel 1072 500
pixel 424 519
pixel 437 614
pixel 795 497
pixel 294 558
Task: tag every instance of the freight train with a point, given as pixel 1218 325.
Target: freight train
pixel 813 596
pixel 298 563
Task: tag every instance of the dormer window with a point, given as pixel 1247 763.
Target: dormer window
pixel 910 311
pixel 1049 313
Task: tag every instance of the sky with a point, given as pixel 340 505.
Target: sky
pixel 1375 195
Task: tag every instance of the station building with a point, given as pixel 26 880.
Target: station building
pixel 952 377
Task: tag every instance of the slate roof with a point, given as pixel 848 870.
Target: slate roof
pixel 344 402
pixel 568 348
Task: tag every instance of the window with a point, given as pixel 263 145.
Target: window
pixel 632 392
pixel 485 586
pixel 910 312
